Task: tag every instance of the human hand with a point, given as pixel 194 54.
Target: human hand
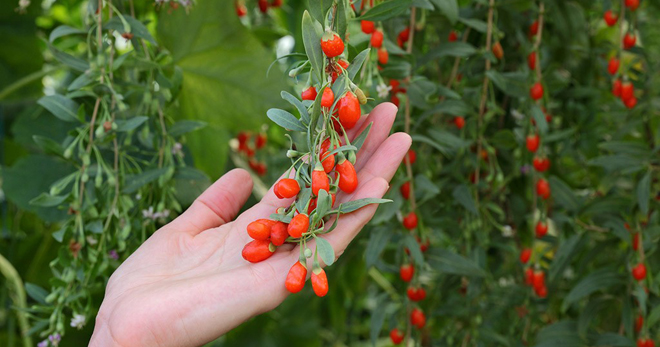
pixel 188 283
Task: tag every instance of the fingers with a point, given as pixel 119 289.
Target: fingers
pixel 218 204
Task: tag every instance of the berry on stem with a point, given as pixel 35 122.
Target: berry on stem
pixel 383 56
pixel 610 18
pixel 348 180
pixel 498 51
pixel 320 180
pixel 452 36
pixel 349 110
pixel 543 188
pixel 331 44
pixel 639 271
pixel 319 282
pixel 310 94
pixel 396 336
pixel 257 250
pixel 328 98
pixel 417 318
pixel 525 255
pixel 541 229
pixel 287 188
pixel 536 91
pixel 405 190
pixel 258 230
pixel 531 60
pixel 278 233
pixel 410 221
pixel 295 279
pixel 406 272
pixel 368 26
pixel 533 142
pixel 298 225
pixel 459 122
pixel 377 38
pixel 629 41
pixel 613 66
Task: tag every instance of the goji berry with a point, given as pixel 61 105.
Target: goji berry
pixel 406 272
pixel 610 18
pixel 411 155
pixel 616 88
pixel 298 225
pixel 532 142
pixel 287 188
pixel 459 122
pixel 241 10
pixel 534 28
pixel 417 318
pixel 405 190
pixel 258 230
pixel 327 160
pixel 639 323
pixel 536 91
pixel 627 91
pixel 368 26
pixel 541 229
pixel 498 51
pixel 541 164
pixel 295 279
pixel 525 255
pixel 377 38
pixel 629 41
pixel 452 36
pixel 310 94
pixel 263 6
pixel 531 60
pixel 278 233
pixel 320 180
pixel 613 66
pixel 257 250
pixel 331 44
pixel 410 221
pixel 538 280
pixel 396 336
pixel 529 276
pixel 383 56
pixel 632 4
pixel 349 110
pixel 635 241
pixel 543 188
pixel 328 98
pixel 639 271
pixel 348 180
pixel 319 282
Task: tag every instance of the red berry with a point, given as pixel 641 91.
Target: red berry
pixel 263 6
pixel 242 137
pixel 629 41
pixel 328 98
pixel 368 26
pixel 412 155
pixel 498 52
pixel 536 92
pixel 538 280
pixel 410 221
pixel 627 91
pixel 639 271
pixel 377 38
pixel 534 28
pixel 533 143
pixel 406 272
pixel 287 188
pixel 328 161
pixel 320 180
pixel 348 180
pixel 531 60
pixel 639 323
pixel 383 56
pixel 404 35
pixel 529 276
pixel 396 336
pixel 319 282
pixel 541 229
pixel 405 190
pixel 241 10
pixel 278 233
pixel 331 44
pixel 349 110
pixel 343 63
pixel 610 18
pixel 295 279
pixel 257 250
pixel 632 4
pixel 276 3
pixel 541 164
pixel 459 122
pixel 542 291
pixel 631 102
pixel 543 188
pixel 298 225
pixel 613 66
pixel 525 255
pixel 452 36
pixel 635 241
pixel 310 94
pixel 416 294
pixel 417 318
pixel 650 343
pixel 641 342
pixel 258 230
pixel 616 88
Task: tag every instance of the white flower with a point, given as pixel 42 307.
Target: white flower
pixel 507 231
pixel 176 149
pixel 569 274
pixel 149 213
pixel 506 282
pixel 517 115
pixel 383 90
pixel 78 321
pixel 92 241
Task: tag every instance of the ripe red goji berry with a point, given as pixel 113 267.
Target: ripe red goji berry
pixel 459 122
pixel 278 233
pixel 310 94
pixel 452 36
pixel 416 294
pixel 410 221
pixel 405 190
pixel 377 38
pixel 327 160
pixel 349 110
pixel 331 44
pixel 642 342
pixel 406 272
pixel 328 98
pixel 348 180
pixel 534 28
pixel 632 4
pixel 498 51
pixel 531 60
pixel 320 180
pixel 533 142
pixel 616 88
pixel 541 229
pixel 298 225
pixel 635 241
pixel 383 56
pixel 631 102
pixel 396 336
pixel 276 3
pixel 257 250
pixel 263 6
pixel 610 18
pixel 404 35
pixel 319 282
pixel 629 41
pixel 627 91
pixel 541 164
pixel 529 276
pixel 258 230
pixel 411 155
pixel 613 66
pixel 295 279
pixel 543 188
pixel 536 91
pixel 639 271
pixel 287 188
pixel 417 318
pixel 368 26
pixel 525 255
pixel 241 10
pixel 639 323
pixel 541 291
pixel 538 280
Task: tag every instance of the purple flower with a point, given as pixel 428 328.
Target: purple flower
pixel 43 343
pixel 525 169
pixel 113 254
pixel 55 339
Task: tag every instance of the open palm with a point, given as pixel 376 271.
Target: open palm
pixel 188 284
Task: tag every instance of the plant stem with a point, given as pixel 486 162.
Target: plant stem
pixel 8 90
pixel 17 292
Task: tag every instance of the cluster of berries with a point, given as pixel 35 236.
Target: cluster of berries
pixel 621 87
pixel 263 5
pixel 248 145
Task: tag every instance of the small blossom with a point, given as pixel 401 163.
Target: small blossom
pixel 23 5
pixel 525 169
pixel 148 213
pixel 507 231
pixel 177 149
pixel 113 254
pixel 78 321
pixel 517 115
pixel 138 196
pixel 383 90
pixel 92 241
pixel 43 343
pixel 569 274
pixel 55 339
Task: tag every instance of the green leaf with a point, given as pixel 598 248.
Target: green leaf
pixel 325 251
pixel 425 189
pixel 447 92
pixel 644 192
pixel 185 126
pixel 449 262
pixel 560 334
pixel 312 41
pixel 449 49
pixel 342 18
pixel 348 207
pixel 563 194
pixel 379 238
pixel 285 119
pixel 617 162
pixel 425 4
pixel 64 30
pixel 137 28
pixel 48 145
pixel 598 280
pixel 323 203
pixel 539 117
pixel 135 182
pixel 35 292
pixel 124 125
pixel 413 247
pixel 61 107
pixel 565 252
pixel 304 115
pixel 190 183
pixel 386 10
pixel 463 195
pixel 614 340
pixel 69 60
pixel 377 318
pixel 475 24
pixel 47 200
pixel 449 8
pixel 319 8
pixel 359 140
pixel 357 63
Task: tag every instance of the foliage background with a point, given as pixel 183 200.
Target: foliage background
pixel 225 84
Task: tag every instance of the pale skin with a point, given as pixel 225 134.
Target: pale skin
pixel 188 283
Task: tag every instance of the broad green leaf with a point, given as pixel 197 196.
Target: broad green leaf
pixel 447 92
pixel 323 203
pixel 539 117
pixel 475 24
pixel 357 63
pixel 319 8
pixel 425 189
pixel 64 30
pixel 463 195
pixel 589 312
pixel 348 207
pixel 595 281
pixel 285 119
pixel 425 4
pixel 135 182
pixel 636 149
pixel 47 200
pixel 304 115
pixel 614 340
pixel 184 126
pixel 563 194
pixel 69 60
pixel 48 145
pixel 566 251
pixel 190 183
pixel 377 318
pixel 325 250
pixel 312 42
pixel 342 18
pixel 644 192
pixel 61 107
pixel 449 49
pixel 386 10
pixel 617 162
pixel 560 334
pixel 124 125
pixel 449 8
pixel 449 262
pixel 35 292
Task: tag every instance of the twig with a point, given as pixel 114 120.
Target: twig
pixel 15 284
pixel 161 152
pixel 537 44
pixel 457 61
